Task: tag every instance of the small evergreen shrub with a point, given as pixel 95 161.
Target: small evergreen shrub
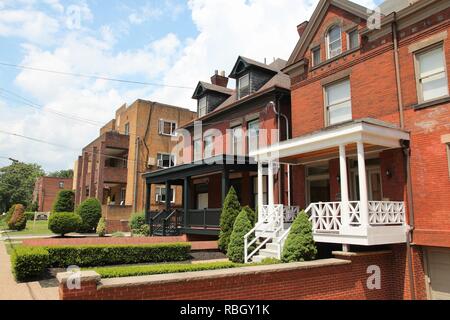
pixel 101 227
pixel 64 222
pixel 300 244
pixel 230 210
pixel 18 220
pixel 9 214
pixel 29 262
pixel 241 227
pixel 138 225
pixel 90 211
pixel 65 201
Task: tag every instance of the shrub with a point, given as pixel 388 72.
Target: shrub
pixel 241 227
pixel 90 211
pixel 230 210
pixel 88 256
pixel 65 201
pixel 143 231
pixel 300 244
pixel 18 220
pixel 29 262
pixel 101 227
pixel 137 223
pixel 118 234
pixel 9 214
pixel 64 222
pixel 33 207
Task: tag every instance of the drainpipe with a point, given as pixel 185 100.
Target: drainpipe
pixel 407 152
pixel 397 71
pixel 136 172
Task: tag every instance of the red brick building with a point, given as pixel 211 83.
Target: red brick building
pixel 371 134
pixel 47 188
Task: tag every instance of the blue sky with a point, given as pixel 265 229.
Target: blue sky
pixel 172 42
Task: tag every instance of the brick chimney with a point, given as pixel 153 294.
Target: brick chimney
pixel 301 28
pixel 219 79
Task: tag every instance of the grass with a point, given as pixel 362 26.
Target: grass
pixel 39 229
pixel 12 245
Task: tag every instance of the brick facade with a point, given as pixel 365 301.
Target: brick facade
pixel 47 188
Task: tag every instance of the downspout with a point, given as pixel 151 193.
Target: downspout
pixel 136 172
pixel 397 72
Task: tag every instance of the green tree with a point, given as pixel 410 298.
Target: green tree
pixel 300 245
pixel 90 211
pixel 64 202
pixel 17 184
pixel 61 174
pixel 241 227
pixel 230 210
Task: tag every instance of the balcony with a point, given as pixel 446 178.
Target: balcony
pixel 115 175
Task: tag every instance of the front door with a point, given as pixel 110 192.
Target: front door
pixel 202 201
pixel 374 186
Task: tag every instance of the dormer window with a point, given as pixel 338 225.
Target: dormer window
pixel 315 53
pixel 352 39
pixel 202 107
pixel 334 42
pixel 244 86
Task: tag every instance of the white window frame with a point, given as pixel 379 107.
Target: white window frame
pixel 328 107
pixel 236 140
pixel 173 127
pixel 240 96
pixel 61 184
pixel 159 195
pixel 200 108
pixel 349 37
pixel 211 139
pixel 419 77
pixel 127 129
pixel 328 43
pixel 198 150
pixel 250 135
pixel 313 59
pixel 160 160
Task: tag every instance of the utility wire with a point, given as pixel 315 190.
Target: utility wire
pixel 81 75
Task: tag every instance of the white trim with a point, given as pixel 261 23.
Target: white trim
pixel 161 127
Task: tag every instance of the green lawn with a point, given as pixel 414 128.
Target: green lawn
pixel 38 229
pixel 11 245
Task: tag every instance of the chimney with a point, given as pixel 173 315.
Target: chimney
pixel 301 28
pixel 219 79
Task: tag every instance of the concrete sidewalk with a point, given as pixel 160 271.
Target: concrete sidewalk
pixel 11 290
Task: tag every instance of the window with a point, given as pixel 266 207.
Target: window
pixel 165 160
pixel 161 194
pixel 244 86
pixel 167 128
pixel 127 129
pixel 61 184
pixel 253 135
pixel 338 102
pixel 209 146
pixel 123 193
pixel 431 74
pixel 334 42
pixel 315 56
pixel 255 191
pixel 236 140
pixel 352 39
pixel 197 150
pixel 202 107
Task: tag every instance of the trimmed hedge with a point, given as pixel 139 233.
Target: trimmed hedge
pixel 29 262
pixel 90 211
pixel 64 222
pixel 92 256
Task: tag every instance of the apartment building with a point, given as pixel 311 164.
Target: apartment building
pixel 46 189
pixel 137 140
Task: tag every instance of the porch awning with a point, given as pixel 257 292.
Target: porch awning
pixel 374 134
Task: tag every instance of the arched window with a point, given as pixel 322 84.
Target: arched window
pixel 334 42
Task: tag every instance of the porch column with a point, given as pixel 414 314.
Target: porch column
pixel 148 193
pixel 344 186
pixel 271 184
pixel 364 202
pixel 260 189
pixel 186 201
pixel 168 195
pixel 225 183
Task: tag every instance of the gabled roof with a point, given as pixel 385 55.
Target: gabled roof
pixel 316 19
pixel 203 87
pixel 244 63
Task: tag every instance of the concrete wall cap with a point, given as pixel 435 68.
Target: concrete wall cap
pixel 85 276
pixel 360 254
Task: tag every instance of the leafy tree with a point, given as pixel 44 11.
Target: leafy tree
pixel 64 202
pixel 241 227
pixel 61 174
pixel 90 211
pixel 300 244
pixel 230 210
pixel 18 220
pixel 64 222
pixel 17 184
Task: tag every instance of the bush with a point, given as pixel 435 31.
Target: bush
pixel 18 220
pixel 29 262
pixel 300 244
pixel 91 256
pixel 65 201
pixel 101 227
pixel 9 214
pixel 241 227
pixel 90 211
pixel 230 210
pixel 33 207
pixel 138 224
pixel 64 222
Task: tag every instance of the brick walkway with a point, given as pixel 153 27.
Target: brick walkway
pixel 11 290
pixel 196 245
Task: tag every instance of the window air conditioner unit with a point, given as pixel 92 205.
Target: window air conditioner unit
pixel 151 162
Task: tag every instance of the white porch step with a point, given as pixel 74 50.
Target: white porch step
pixel 267 253
pixel 272 247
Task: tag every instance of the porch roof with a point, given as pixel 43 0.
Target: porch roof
pixel 371 132
pixel 205 166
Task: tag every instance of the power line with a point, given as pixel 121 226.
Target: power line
pixel 81 75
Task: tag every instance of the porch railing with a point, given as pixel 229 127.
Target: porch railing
pixel 206 218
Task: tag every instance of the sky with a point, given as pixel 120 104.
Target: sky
pixel 169 45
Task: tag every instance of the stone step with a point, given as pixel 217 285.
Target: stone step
pixel 268 253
